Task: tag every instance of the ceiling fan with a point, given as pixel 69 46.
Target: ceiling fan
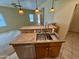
pixel 19 6
pixel 16 5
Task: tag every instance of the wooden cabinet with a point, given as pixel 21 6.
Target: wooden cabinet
pixel 41 50
pixel 48 50
pixel 25 51
pixel 37 51
pixel 54 49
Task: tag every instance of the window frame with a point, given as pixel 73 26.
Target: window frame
pixel 3 20
pixel 30 17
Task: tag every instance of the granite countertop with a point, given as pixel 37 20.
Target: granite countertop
pixel 36 27
pixel 30 38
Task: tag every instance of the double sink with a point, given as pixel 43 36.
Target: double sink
pixel 44 36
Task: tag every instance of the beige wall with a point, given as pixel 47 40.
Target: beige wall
pixel 74 26
pixel 48 17
pixel 13 20
pixel 63 14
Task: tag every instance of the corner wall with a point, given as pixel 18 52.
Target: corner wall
pixel 74 26
pixel 63 14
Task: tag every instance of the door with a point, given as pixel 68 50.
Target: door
pixel 25 51
pixel 54 49
pixel 41 50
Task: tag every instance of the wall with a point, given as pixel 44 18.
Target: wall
pixel 48 17
pixel 74 26
pixel 63 14
pixel 13 20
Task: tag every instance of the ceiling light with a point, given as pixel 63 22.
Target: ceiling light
pixel 52 9
pixel 37 11
pixel 21 11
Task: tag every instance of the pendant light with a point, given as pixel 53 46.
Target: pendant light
pixel 37 11
pixel 21 11
pixel 52 9
pixel 20 8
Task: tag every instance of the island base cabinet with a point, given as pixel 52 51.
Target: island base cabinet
pixel 25 51
pixel 38 51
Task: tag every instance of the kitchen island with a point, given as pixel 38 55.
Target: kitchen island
pixel 35 45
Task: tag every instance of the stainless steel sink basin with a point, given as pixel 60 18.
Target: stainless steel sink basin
pixel 44 36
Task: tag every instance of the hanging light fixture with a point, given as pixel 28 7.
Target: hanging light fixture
pixel 20 8
pixel 21 11
pixel 37 11
pixel 52 9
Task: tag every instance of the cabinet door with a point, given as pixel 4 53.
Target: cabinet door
pixel 41 50
pixel 54 49
pixel 25 51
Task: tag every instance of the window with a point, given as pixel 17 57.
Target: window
pixel 31 17
pixel 2 21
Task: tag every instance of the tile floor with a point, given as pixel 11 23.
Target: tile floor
pixel 69 50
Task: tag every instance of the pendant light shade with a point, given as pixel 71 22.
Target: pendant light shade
pixel 52 9
pixel 20 11
pixel 37 11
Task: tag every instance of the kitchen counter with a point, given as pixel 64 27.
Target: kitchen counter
pixel 34 29
pixel 36 39
pixel 37 27
pixel 30 38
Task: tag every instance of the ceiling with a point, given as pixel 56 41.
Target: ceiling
pixel 27 4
